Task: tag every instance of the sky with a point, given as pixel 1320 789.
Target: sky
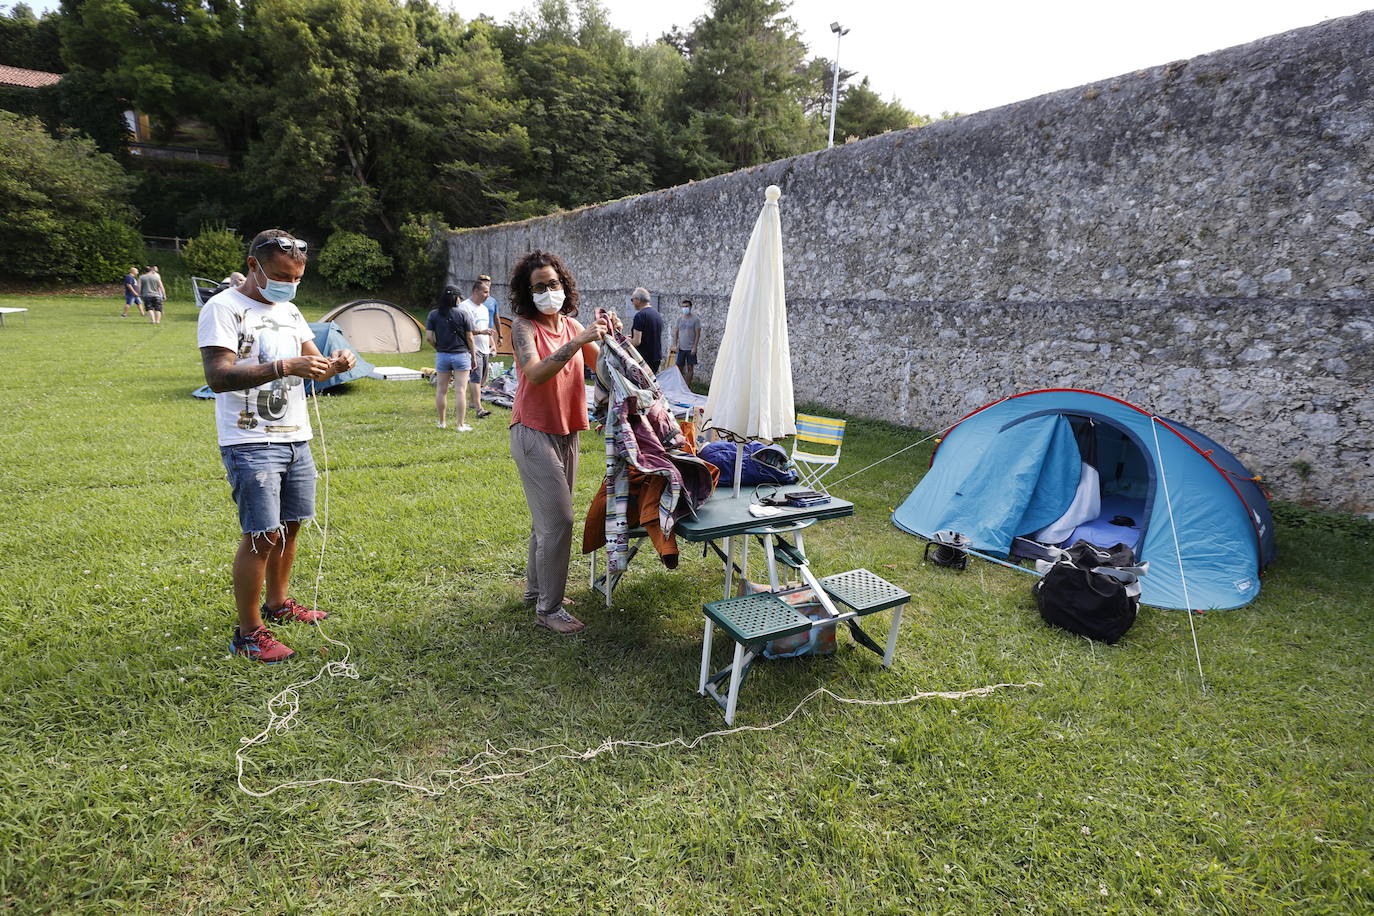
pixel 973 55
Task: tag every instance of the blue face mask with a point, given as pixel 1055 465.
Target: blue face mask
pixel 276 290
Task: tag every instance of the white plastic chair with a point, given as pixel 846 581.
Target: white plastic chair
pixel 812 466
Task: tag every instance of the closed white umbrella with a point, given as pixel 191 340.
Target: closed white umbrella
pixel 751 385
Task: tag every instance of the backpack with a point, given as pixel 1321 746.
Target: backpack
pixel 1089 590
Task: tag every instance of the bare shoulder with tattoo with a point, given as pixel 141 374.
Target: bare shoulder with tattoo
pixel 522 341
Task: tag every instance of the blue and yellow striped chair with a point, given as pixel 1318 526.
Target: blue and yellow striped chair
pixel 824 431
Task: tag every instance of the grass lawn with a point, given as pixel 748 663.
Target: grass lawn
pixel 1118 786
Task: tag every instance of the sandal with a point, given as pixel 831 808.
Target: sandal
pixel 560 621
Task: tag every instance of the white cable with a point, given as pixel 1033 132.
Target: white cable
pixel 1178 551
pixel 472 773
pixel 283 707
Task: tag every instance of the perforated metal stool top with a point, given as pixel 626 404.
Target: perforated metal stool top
pixel 753 619
pixel 863 591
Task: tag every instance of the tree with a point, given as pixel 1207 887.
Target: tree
pixel 168 59
pixel 30 42
pixel 585 143
pixel 64 206
pixel 862 113
pixel 740 99
pixel 377 111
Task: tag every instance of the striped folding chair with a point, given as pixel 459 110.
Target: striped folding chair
pixel 812 431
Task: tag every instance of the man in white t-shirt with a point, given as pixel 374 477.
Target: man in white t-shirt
pixel 257 350
pixel 475 308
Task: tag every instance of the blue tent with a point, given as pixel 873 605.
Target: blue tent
pixel 328 338
pixel 1057 465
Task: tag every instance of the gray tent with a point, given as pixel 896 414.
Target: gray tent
pixel 377 326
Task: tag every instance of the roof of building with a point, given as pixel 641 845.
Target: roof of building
pixel 28 79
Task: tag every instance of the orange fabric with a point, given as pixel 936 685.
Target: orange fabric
pixel 689 429
pixel 559 406
pixel 645 492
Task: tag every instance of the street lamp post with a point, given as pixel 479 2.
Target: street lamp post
pixel 840 32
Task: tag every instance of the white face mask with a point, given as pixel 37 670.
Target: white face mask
pixel 276 290
pixel 549 301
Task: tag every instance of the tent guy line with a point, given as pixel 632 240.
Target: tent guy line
pixel 1178 550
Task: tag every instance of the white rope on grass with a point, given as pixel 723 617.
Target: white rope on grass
pixel 1178 551
pixel 478 769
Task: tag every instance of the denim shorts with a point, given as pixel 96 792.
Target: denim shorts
pixel 453 362
pixel 686 357
pixel 272 483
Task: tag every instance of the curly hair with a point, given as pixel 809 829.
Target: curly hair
pixel 522 297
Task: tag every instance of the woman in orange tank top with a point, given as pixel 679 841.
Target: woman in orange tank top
pixel 551 350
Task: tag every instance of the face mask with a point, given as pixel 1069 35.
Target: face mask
pixel 549 301
pixel 276 290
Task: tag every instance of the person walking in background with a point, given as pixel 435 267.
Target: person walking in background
pixel 493 314
pixel 449 330
pixel 686 339
pixel 475 308
pixel 551 350
pixel 647 329
pixel 257 350
pixel 131 296
pixel 153 293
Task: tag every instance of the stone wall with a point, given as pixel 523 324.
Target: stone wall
pixel 1197 238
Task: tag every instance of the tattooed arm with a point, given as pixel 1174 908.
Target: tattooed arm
pixel 223 374
pixel 538 371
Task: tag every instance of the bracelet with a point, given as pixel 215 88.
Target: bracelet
pixel 280 368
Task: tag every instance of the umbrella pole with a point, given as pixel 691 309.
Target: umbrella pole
pixel 739 465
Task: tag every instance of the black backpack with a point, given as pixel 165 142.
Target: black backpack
pixel 1091 591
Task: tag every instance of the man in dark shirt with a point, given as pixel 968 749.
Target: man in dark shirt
pixel 131 292
pixel 646 332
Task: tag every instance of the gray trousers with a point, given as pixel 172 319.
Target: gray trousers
pixel 548 466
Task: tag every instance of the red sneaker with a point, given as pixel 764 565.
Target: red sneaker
pixel 293 612
pixel 261 646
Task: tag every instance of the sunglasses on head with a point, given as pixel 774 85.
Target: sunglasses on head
pixel 282 242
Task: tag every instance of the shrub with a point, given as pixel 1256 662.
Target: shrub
pixel 422 256
pixel 351 259
pixel 215 252
pixel 103 250
pixel 64 211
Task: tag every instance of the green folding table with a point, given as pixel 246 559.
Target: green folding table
pixel 753 620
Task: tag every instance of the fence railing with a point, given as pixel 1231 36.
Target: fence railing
pixel 183 153
pixel 164 242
